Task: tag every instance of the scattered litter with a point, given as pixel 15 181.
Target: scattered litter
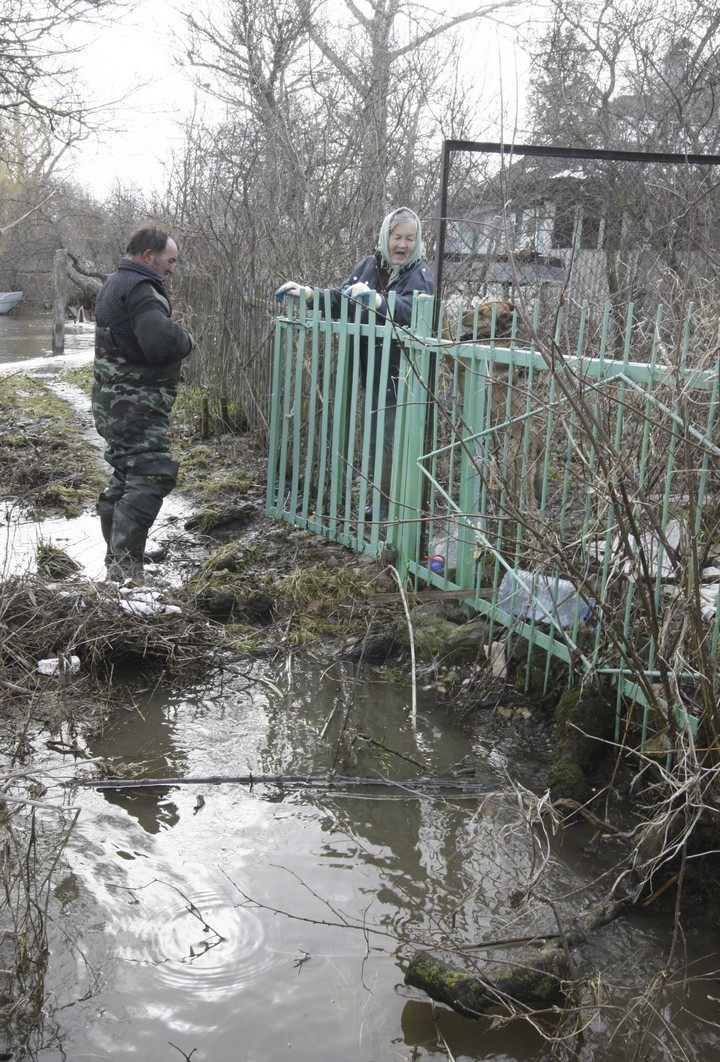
pixel 139 602
pixel 676 534
pixel 62 591
pixel 651 548
pixel 443 546
pixel 62 665
pixel 709 598
pixel 496 658
pixel 542 598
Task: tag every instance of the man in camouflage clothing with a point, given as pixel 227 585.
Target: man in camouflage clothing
pixel 139 351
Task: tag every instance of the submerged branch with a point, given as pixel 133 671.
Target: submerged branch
pixel 536 986
pixel 423 785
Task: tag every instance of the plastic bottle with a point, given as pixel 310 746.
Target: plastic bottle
pixel 444 546
pixel 531 596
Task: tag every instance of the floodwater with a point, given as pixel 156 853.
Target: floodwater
pixel 223 921
pixel 26 342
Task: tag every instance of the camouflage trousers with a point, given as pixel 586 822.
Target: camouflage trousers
pixel 134 422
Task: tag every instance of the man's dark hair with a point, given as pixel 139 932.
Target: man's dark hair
pixel 147 238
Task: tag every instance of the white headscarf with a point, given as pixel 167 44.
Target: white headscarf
pixel 398 217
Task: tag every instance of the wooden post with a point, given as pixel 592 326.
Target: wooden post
pixel 61 282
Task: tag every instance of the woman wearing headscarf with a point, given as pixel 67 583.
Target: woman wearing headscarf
pixel 396 265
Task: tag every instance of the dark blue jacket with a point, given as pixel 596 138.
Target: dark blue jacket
pixel 417 278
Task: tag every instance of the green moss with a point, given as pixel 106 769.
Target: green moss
pixel 232 558
pixel 531 676
pixel 452 644
pixel 584 719
pixel 211 469
pixel 567 780
pixel 56 497
pixel 200 459
pixel 54 562
pixel 244 638
pixel 584 723
pixel 223 483
pixel 306 629
pixel 81 377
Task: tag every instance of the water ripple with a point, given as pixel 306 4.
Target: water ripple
pixel 202 941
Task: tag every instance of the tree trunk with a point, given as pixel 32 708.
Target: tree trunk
pixel 537 981
pixel 536 985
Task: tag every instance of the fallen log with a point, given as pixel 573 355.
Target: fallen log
pixel 535 985
pixel 534 981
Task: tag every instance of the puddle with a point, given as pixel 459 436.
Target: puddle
pixel 26 345
pixel 268 916
pixel 278 918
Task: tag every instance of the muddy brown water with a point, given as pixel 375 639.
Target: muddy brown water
pixel 238 923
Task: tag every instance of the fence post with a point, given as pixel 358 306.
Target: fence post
pixel 283 363
pixel 414 408
pixel 61 281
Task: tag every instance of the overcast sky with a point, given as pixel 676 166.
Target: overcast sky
pixel 135 57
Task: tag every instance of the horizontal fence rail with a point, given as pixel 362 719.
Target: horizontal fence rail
pixel 571 500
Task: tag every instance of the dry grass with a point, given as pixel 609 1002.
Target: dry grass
pixel 45 463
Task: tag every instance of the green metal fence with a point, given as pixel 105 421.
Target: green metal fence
pixel 574 498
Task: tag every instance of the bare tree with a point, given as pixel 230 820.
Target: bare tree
pixel 343 100
pixel 621 77
pixel 628 75
pixel 40 103
pixel 387 57
pixel 333 113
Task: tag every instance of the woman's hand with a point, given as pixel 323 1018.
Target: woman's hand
pixel 296 290
pixel 360 292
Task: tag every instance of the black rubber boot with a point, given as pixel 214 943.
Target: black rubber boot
pixel 136 508
pixel 106 522
pixel 127 548
pixel 106 511
pixel 153 554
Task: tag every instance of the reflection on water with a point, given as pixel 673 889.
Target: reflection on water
pixel 155 756
pixel 279 899
pixel 267 920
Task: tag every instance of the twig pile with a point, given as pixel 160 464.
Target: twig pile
pixel 86 621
